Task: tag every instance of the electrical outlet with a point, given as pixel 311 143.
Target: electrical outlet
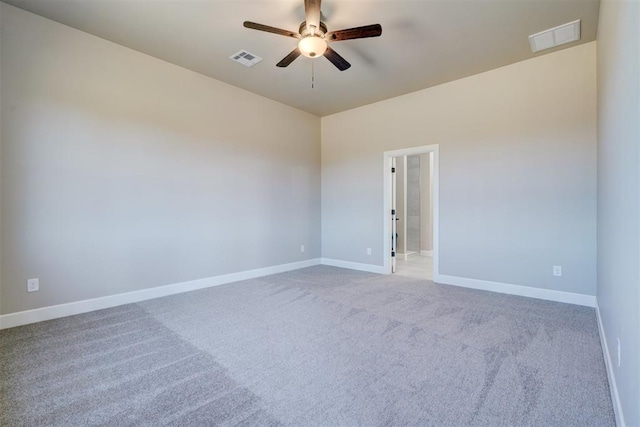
pixel 368 251
pixel 618 352
pixel 301 248
pixel 33 285
pixel 557 270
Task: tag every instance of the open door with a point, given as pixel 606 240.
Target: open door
pixel 394 229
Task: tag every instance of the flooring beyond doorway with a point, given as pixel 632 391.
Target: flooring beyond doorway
pixel 316 346
pixel 416 266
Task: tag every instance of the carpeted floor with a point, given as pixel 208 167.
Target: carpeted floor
pixel 318 346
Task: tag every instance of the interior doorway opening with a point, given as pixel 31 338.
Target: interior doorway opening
pixel 411 211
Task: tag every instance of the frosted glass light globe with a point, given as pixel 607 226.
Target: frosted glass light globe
pixel 312 46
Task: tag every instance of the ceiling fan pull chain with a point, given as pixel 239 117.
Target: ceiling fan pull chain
pixel 313 75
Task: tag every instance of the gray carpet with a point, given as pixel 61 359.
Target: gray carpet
pixel 318 346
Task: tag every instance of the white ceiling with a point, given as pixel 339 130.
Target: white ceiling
pixel 423 43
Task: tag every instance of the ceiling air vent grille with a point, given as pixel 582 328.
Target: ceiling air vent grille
pixel 245 58
pixel 553 37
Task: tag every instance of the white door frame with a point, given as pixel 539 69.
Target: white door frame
pixel 388 156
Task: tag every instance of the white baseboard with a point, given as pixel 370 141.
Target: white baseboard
pixel 524 291
pixel 354 265
pixel 504 288
pixel 426 253
pixel 78 307
pixel 613 387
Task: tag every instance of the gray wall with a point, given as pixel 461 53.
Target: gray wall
pixel 619 194
pixel 517 172
pixel 122 172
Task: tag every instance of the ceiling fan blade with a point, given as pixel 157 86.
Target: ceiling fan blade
pixel 289 58
pixel 337 60
pixel 374 30
pixel 312 13
pixel 268 29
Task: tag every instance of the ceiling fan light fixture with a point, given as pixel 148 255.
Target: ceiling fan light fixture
pixel 312 46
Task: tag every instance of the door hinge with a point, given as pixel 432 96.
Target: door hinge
pixel 393 254
pixel 393 170
pixel 393 211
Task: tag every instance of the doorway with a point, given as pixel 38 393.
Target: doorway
pixel 411 212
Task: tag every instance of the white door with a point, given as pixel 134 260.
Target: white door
pixel 394 229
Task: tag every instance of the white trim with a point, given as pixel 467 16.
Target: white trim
pixel 386 228
pixel 77 307
pixel 613 387
pixel 354 265
pixel 403 221
pixel 426 253
pixel 523 291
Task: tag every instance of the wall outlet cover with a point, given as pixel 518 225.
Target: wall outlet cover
pixel 33 285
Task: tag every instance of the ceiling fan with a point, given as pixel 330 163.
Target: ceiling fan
pixel 314 37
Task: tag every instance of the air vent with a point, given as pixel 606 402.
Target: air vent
pixel 553 37
pixel 245 58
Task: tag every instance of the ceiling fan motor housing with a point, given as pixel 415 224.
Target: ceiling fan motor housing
pixel 304 31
